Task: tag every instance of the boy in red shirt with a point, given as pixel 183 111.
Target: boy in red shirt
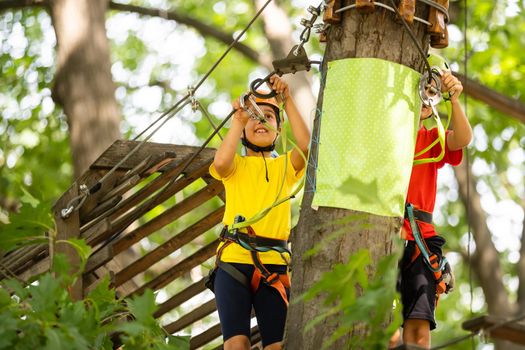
pixel 418 283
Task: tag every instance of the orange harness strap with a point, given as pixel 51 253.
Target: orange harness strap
pixel 278 281
pixel 441 287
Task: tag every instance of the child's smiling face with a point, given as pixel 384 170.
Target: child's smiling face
pixel 257 133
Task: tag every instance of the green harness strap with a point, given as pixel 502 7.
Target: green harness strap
pixel 440 139
pixel 419 241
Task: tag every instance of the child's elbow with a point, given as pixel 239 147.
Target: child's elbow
pixel 467 138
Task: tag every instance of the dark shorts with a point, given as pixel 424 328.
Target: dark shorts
pixel 418 284
pixel 235 301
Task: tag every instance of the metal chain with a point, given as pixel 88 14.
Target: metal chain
pixel 308 24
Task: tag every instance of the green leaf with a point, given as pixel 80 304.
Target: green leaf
pixel 82 248
pixel 28 226
pixel 143 306
pixel 5 298
pixel 61 266
pixel 56 339
pixel 47 296
pixel 29 199
pixel 8 331
pixel 132 328
pixel 179 342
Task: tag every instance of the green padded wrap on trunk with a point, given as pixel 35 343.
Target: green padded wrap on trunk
pixel 369 125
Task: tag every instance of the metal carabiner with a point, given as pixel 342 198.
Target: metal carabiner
pixel 430 93
pixel 258 113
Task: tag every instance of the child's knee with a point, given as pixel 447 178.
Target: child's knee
pixel 238 342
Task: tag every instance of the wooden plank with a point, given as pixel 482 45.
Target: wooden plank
pixel 147 167
pixel 195 315
pixel 69 228
pixel 120 148
pixel 92 236
pixel 206 337
pixel 168 216
pixel 23 256
pixel 99 258
pixel 181 268
pixel 168 247
pixel 408 347
pixel 497 327
pixel 121 188
pixel 179 298
pixel 28 263
pixel 165 159
pixel 90 178
pixel 121 223
pixel 36 269
pixel 102 208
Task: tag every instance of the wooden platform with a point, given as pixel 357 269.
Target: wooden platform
pixel 149 194
pixel 498 328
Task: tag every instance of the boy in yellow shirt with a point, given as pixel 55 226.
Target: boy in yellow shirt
pixel 246 277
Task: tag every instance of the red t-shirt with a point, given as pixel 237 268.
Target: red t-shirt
pixel 423 180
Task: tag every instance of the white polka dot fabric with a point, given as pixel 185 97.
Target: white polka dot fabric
pixel 367 138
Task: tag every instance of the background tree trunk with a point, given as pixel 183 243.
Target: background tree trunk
pixel 278 31
pixel 375 35
pixel 83 82
pixel 485 261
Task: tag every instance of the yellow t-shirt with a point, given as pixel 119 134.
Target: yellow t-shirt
pixel 248 192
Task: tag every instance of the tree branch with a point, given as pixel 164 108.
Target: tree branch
pixel 203 28
pixel 18 4
pixel 500 102
pixel 485 260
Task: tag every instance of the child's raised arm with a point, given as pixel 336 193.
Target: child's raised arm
pixel 223 161
pixel 462 134
pixel 299 129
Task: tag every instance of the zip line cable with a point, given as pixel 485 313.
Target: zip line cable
pixel 465 102
pixel 77 201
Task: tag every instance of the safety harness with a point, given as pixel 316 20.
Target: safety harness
pixel 432 260
pixel 255 245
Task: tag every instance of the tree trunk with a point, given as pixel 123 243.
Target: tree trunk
pixel 83 82
pixel 375 35
pixel 485 259
pixel 521 267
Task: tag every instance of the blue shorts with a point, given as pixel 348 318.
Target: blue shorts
pixel 235 301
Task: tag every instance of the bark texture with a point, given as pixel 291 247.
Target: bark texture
pixel 83 83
